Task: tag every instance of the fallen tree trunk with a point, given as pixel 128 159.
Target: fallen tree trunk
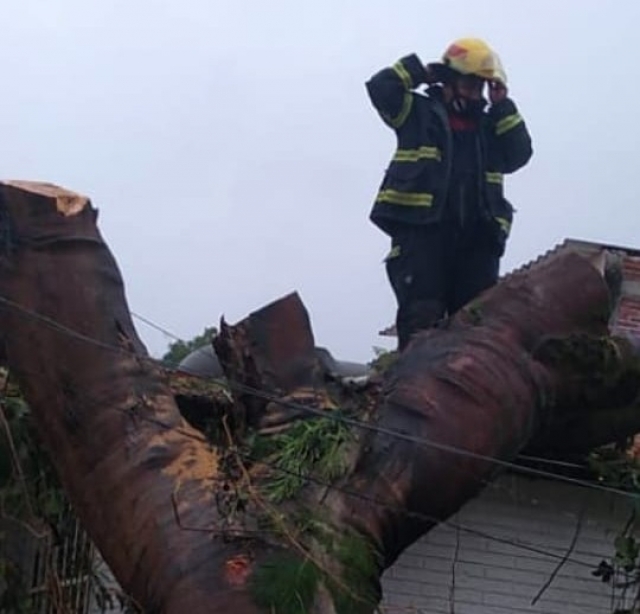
pixel 142 481
pixel 307 489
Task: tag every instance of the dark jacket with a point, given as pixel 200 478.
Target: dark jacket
pixel 416 185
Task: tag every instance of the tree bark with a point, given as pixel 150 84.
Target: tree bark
pixel 142 481
pixel 190 525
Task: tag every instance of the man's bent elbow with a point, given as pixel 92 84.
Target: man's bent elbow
pixel 519 159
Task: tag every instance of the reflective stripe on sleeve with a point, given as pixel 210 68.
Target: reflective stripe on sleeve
pixel 494 177
pixel 409 199
pixel 505 225
pixel 403 73
pixel 507 123
pixel 394 252
pixel 413 155
pixel 401 117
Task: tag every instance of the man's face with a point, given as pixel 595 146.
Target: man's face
pixel 469 86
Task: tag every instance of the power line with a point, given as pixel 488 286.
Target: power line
pixel 59 327
pixel 420 441
pixel 397 509
pixel 525 457
pixel 243 388
pixel 355 423
pixel 373 500
pixel 421 516
pixel 410 438
pixel 249 390
pixel 552 461
pixel 157 327
pixel 367 498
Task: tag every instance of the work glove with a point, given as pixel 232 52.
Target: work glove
pixel 433 73
pixel 497 91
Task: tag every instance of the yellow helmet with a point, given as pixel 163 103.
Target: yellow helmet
pixel 472 56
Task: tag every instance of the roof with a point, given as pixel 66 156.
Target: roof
pixel 631 288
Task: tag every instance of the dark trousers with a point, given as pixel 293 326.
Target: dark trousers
pixel 436 270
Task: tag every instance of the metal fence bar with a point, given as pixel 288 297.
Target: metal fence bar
pixel 60 568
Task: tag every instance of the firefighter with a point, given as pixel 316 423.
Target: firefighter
pixel 441 200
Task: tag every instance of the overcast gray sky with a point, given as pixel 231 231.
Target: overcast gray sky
pixel 234 155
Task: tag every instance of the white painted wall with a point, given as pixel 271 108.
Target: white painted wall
pixel 454 571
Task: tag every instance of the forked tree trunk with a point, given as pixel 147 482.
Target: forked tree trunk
pixel 190 527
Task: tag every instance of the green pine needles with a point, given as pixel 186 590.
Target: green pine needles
pixel 313 448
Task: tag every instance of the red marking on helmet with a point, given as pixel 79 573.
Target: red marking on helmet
pixel 456 51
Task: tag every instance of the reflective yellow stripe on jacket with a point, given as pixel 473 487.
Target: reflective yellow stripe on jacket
pixel 497 178
pixel 401 117
pixel 507 123
pixel 422 153
pixel 403 73
pixel 409 199
pixel 505 225
pixel 407 101
pixel 394 252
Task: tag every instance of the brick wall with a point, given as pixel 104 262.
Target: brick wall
pixel 455 571
pixel 631 268
pixel 627 316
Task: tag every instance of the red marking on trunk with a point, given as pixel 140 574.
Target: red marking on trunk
pixel 237 569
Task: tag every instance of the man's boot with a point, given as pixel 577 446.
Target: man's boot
pixel 415 316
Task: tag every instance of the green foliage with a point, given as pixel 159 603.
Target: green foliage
pixel 583 353
pixel 617 469
pixel 31 486
pixel 383 359
pixel 285 585
pixel 315 448
pixel 627 550
pixel 310 447
pixel 179 350
pixel 474 311
pixel 33 504
pixel 356 558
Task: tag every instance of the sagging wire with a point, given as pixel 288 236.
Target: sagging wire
pixel 412 439
pixel 457 526
pixel 565 558
pixel 264 395
pixel 357 424
pixel 276 517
